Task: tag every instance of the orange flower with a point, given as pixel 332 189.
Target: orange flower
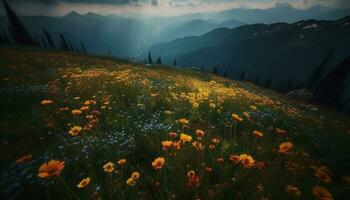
pixel 322 174
pixel 89 102
pixel 193 180
pixel 167 144
pixel 75 130
pixel 135 175
pixel 108 167
pixel 158 163
pixel 216 140
pixel 185 138
pixel 84 108
pixel 76 112
pixel 191 173
pixel 293 191
pixel 212 147
pixel 131 182
pixel 52 168
pixel 220 160
pixel 183 121
pixel 25 158
pixel 285 147
pixel 122 161
pixel 280 131
pixel 236 117
pixel 258 134
pixel 198 145
pixel 234 158
pixel 247 160
pixel 84 182
pixel 173 134
pixel 322 193
pixel 177 145
pixel 200 133
pixel 46 102
pixel 208 169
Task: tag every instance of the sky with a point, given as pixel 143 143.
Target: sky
pixel 154 7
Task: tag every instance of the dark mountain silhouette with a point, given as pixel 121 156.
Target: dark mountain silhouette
pixel 279 51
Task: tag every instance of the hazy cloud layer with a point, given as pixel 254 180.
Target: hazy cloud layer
pixel 154 7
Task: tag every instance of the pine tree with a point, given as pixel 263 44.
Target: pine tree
pixel 315 77
pixel 19 34
pixel 225 74
pixel 64 44
pixel 51 44
pixel 215 70
pixel 84 50
pixel 256 82
pixel 174 62
pixel 268 83
pixel 150 61
pixel 242 76
pixel 332 86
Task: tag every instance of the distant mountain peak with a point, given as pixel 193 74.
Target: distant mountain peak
pixel 283 5
pixel 73 14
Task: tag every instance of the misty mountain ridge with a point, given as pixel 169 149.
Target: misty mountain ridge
pixel 279 51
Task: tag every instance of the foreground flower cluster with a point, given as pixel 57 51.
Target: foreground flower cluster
pixel 111 130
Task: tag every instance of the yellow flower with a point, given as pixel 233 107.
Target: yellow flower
pixel 247 160
pixel 108 167
pixel 236 117
pixel 52 168
pixel 76 112
pixel 84 182
pixel 212 105
pixel 167 144
pixel 122 161
pixel 25 158
pixel 75 130
pixel 258 134
pixel 135 175
pixel 293 191
pixel 322 193
pixel 253 107
pixel 185 138
pixel 130 182
pixel 46 102
pixel 158 163
pixel 285 147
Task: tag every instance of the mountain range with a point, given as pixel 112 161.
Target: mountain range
pixel 279 51
pixel 132 36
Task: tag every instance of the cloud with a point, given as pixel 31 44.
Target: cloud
pixel 75 1
pixel 154 2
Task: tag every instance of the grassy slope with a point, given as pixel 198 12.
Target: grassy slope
pixel 132 99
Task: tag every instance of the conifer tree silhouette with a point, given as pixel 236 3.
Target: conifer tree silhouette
pixel 19 34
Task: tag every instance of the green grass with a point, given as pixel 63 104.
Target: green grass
pixel 134 101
